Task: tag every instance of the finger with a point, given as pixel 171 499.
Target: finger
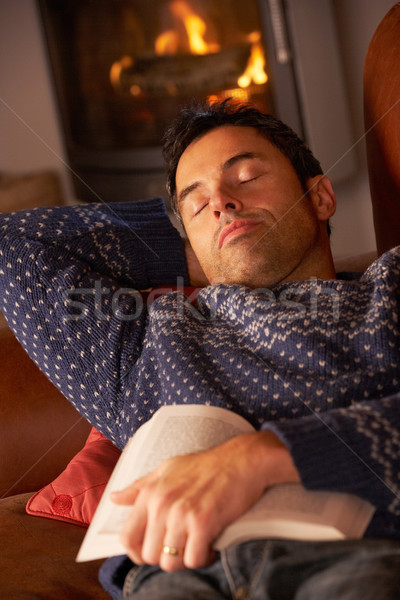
pixel 172 548
pixel 157 544
pixel 153 540
pixel 172 557
pixel 125 496
pixel 198 551
pixel 203 528
pixel 133 531
pixel 186 534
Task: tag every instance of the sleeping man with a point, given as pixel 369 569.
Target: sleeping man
pixel 312 361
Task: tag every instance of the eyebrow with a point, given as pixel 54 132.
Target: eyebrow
pixel 227 165
pixel 238 158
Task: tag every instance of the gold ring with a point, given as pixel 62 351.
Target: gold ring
pixel 172 551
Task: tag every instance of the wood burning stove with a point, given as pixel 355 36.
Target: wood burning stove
pixel 123 68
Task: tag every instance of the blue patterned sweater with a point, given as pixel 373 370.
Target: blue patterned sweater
pixel 317 362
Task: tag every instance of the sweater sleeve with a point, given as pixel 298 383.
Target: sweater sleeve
pixel 354 449
pixel 132 242
pixel 68 288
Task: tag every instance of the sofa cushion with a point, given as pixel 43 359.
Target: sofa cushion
pixel 74 495
pixel 38 557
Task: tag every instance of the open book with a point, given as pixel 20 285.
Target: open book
pixel 287 511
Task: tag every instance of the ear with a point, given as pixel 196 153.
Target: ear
pixel 322 196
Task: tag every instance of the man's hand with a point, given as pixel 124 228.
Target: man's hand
pixel 196 274
pixel 187 501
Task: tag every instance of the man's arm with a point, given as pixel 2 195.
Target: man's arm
pixel 190 499
pixel 68 277
pixel 353 449
pixel 131 242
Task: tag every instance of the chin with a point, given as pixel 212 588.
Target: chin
pixel 246 279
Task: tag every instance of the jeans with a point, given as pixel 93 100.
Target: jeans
pixel 280 570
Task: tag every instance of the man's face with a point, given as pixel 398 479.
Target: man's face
pixel 244 209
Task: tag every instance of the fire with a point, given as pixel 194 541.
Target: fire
pixel 189 35
pixel 117 67
pixel 168 42
pixel 255 69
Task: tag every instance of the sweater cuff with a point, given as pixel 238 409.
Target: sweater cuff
pixel 325 459
pixel 151 233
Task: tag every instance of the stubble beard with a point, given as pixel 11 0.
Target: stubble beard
pixel 264 261
pixel 248 262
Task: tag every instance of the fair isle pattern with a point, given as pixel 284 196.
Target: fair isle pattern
pixel 317 362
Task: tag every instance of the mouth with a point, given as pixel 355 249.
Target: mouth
pixel 235 229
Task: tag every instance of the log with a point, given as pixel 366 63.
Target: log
pixel 186 74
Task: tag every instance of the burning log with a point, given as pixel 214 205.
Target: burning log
pixel 183 74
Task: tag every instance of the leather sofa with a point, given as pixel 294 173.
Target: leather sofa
pixel 39 433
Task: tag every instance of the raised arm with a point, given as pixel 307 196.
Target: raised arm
pixel 68 277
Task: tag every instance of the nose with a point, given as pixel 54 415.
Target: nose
pixel 222 202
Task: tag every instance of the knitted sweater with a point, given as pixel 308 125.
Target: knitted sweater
pixel 317 362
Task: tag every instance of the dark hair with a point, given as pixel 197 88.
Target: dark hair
pixel 198 119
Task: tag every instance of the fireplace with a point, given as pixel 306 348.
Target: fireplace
pixel 123 68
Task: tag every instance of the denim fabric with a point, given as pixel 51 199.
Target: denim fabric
pixel 280 570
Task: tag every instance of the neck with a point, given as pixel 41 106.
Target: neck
pixel 318 264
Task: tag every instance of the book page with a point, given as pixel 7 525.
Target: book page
pixel 172 431
pixel 173 436
pixel 290 511
pixel 187 434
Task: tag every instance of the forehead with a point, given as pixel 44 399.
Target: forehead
pixel 215 147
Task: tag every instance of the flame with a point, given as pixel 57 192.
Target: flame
pixel 117 67
pixel 255 69
pixel 168 42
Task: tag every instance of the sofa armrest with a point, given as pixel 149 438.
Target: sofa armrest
pixel 39 430
pixel 382 123
pixel 38 560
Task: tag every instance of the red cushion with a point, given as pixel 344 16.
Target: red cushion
pixel 74 495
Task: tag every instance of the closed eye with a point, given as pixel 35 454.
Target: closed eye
pixel 250 179
pixel 199 210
